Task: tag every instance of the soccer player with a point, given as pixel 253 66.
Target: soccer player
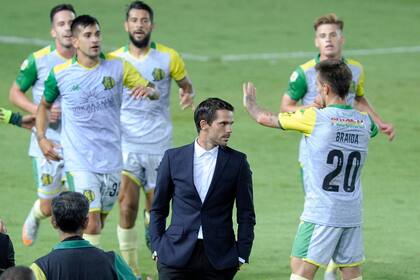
pixel 336 138
pixel 146 125
pixel 90 87
pixel 329 39
pixel 33 73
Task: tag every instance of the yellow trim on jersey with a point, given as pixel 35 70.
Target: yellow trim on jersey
pixel 360 90
pixel 311 63
pixel 63 66
pixel 302 121
pixel 132 78
pixel 94 210
pixel 39 274
pixel 42 52
pixel 49 192
pixel 314 263
pixel 177 66
pixel 350 264
pixel 116 52
pixel 132 177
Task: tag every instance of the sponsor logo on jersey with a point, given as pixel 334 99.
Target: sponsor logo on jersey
pixel 46 179
pixel 108 82
pixel 90 195
pixel 158 74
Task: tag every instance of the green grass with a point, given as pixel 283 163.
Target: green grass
pixel 215 28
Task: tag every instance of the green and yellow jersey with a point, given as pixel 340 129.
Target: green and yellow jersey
pixel 33 73
pixel 146 124
pixel 91 101
pixel 336 140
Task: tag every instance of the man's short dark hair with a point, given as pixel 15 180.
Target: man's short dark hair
pixel 70 210
pixel 83 21
pixel 206 110
pixel 59 8
pixel 336 74
pixel 139 5
pixel 18 273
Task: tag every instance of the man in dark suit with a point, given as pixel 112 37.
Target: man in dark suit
pixel 204 180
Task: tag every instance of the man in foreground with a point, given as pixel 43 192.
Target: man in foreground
pixel 74 257
pixel 204 180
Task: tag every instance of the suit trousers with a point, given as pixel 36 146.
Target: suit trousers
pixel 197 268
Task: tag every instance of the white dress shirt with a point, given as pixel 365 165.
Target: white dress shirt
pixel 204 164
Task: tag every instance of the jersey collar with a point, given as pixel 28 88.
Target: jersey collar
pixel 317 58
pixel 71 244
pixel 340 106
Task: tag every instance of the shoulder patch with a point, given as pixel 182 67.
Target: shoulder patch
pixel 294 76
pixel 24 64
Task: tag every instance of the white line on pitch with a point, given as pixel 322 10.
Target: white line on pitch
pixel 236 57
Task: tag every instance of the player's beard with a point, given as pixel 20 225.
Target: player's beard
pixel 140 43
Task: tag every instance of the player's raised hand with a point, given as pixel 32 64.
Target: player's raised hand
pixel 48 148
pixel 141 92
pixel 250 94
pixel 388 129
pixel 55 114
pixel 186 99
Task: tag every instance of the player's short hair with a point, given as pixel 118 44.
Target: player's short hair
pixel 329 19
pixel 59 8
pixel 19 272
pixel 82 22
pixel 70 210
pixel 206 110
pixel 139 5
pixel 336 74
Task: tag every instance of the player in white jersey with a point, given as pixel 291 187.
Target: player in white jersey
pixel 146 125
pixel 337 138
pixel 33 73
pixel 329 40
pixel 90 87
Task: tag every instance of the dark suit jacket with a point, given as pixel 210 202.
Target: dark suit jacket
pixel 232 180
pixel 7 254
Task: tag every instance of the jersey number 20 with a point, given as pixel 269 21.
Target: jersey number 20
pixel 354 158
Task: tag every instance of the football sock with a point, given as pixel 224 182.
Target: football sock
pixel 36 210
pixel 94 239
pixel 128 241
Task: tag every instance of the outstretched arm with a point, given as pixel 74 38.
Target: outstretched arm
pixel 362 104
pixel 186 93
pixel 260 115
pixel 17 119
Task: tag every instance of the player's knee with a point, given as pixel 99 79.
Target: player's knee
pixel 94 226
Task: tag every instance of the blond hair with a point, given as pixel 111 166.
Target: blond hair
pixel 328 19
